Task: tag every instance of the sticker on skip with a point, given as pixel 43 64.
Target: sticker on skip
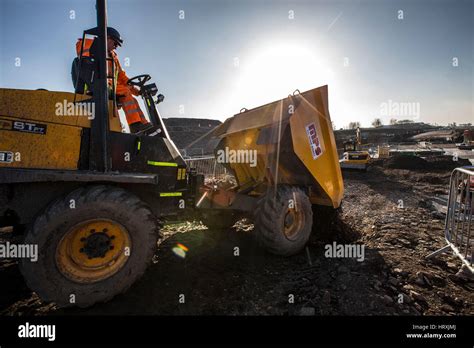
pixel 314 141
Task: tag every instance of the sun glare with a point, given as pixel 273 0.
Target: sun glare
pixel 275 71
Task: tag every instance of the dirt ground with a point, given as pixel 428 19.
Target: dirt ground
pixel 214 281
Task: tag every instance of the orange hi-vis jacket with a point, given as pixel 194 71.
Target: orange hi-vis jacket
pixel 123 91
pixel 121 77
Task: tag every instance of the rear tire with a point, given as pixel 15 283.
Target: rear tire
pixel 283 225
pixel 63 274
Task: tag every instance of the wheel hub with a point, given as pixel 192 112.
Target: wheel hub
pixel 293 223
pixel 97 244
pixel 93 250
pixel 289 219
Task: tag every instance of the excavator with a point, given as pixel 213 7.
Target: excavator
pixel 353 157
pixel 92 198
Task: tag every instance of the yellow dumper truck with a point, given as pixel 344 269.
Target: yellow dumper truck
pixel 90 197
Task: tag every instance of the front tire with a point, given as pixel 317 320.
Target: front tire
pixel 92 245
pixel 283 225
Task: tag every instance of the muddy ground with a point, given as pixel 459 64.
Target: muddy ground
pixel 214 281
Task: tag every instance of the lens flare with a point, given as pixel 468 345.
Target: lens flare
pixel 180 250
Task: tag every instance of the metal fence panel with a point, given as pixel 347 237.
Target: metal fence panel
pixel 458 228
pixel 207 166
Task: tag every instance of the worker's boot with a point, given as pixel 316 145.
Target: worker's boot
pixel 140 128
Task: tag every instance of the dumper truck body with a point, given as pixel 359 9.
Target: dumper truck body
pixel 281 153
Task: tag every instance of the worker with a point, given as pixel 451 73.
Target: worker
pixel 125 93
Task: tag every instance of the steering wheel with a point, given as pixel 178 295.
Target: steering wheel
pixel 139 80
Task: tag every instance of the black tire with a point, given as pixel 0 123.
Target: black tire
pixel 93 202
pixel 271 216
pixel 219 219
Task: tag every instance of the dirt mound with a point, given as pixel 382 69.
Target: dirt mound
pixel 446 163
pixel 406 162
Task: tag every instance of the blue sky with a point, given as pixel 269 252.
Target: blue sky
pixel 229 54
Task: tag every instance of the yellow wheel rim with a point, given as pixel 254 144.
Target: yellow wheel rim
pixel 293 222
pixel 93 250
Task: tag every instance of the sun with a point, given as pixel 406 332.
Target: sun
pixel 274 71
